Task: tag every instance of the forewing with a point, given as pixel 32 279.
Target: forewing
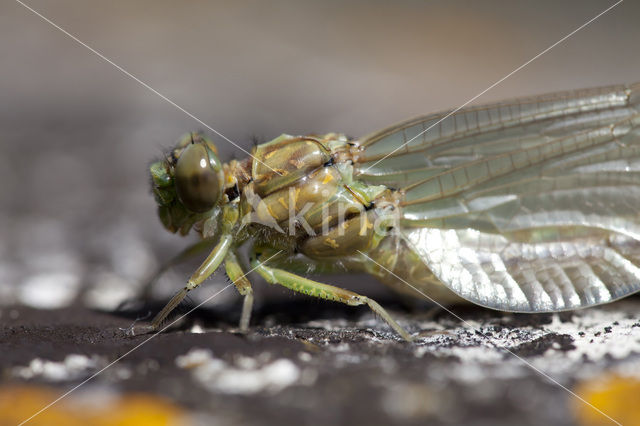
pixel 530 205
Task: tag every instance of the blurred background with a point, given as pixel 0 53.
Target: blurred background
pixel 77 220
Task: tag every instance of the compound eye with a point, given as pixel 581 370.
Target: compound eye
pixel 198 178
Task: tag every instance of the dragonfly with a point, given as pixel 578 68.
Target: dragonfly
pixel 527 205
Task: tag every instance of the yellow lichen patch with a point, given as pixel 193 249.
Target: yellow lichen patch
pixel 615 396
pixel 19 403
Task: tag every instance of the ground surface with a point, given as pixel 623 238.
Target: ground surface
pixel 318 363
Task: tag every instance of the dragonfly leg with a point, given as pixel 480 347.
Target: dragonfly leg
pixel 189 252
pixel 320 290
pixel 208 267
pixel 239 279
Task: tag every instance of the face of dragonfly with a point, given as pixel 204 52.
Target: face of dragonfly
pixel 188 183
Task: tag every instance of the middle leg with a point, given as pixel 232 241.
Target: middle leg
pixel 320 290
pixel 239 279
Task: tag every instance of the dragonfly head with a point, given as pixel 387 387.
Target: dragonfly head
pixel 188 183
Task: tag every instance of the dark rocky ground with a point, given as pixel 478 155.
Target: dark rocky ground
pixel 316 363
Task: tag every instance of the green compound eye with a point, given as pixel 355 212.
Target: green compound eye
pixel 199 178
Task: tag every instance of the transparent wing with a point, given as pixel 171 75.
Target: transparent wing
pixel 530 205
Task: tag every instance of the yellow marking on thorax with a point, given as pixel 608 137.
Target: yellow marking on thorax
pixel 266 206
pixel 270 154
pixel 283 203
pixel 331 243
pixel 328 178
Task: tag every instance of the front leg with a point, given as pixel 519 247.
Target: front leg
pixel 208 267
pixel 317 289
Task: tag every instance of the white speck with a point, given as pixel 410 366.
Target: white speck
pixel 49 290
pixel 196 329
pixel 78 362
pixel 218 376
pixel 304 356
pixel 603 336
pixel 73 367
pixel 272 377
pixel 590 339
pixel 194 358
pixel 246 363
pixel 108 291
pixel 342 347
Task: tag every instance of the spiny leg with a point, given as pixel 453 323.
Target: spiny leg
pixel 189 252
pixel 208 267
pixel 317 289
pixel 239 279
